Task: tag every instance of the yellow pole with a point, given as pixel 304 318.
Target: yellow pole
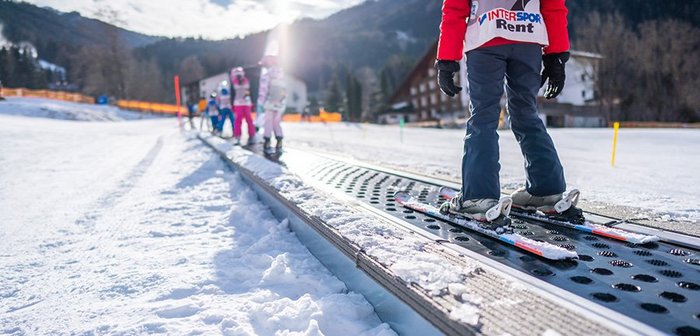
pixel 616 127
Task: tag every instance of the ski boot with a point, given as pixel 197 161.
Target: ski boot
pixel 250 142
pixel 236 141
pixel 267 148
pixel 491 214
pixel 561 207
pixel 278 145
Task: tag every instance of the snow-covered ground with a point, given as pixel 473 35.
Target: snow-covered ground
pixel 134 228
pixel 656 169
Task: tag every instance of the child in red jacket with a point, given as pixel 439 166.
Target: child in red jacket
pixel 508 39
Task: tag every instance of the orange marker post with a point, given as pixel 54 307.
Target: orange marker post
pixel 616 127
pixel 177 99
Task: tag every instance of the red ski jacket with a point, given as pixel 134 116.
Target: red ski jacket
pixel 453 28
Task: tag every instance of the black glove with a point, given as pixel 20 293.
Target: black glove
pixel 555 71
pixel 446 73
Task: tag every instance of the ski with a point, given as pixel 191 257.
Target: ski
pixel 543 249
pixel 587 227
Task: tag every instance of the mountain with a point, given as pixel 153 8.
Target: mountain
pixel 47 29
pixel 367 35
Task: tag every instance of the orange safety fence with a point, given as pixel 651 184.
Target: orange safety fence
pixel 57 95
pixel 322 117
pixel 149 107
pixel 143 106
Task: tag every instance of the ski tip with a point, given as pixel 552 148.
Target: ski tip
pixel 401 196
pixel 446 189
pixel 648 239
pixel 448 192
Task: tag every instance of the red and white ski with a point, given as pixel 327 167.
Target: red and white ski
pixel 543 249
pixel 587 226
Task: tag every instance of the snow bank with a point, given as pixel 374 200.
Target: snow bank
pixel 56 109
pixel 131 228
pixel 406 255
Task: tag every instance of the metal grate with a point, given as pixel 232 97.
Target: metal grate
pixel 656 283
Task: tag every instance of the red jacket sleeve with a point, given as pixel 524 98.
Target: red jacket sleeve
pixel 452 29
pixel 554 15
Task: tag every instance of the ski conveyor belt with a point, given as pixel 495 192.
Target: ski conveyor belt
pixel 657 284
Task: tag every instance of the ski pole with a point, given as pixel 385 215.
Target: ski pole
pixel 401 123
pixel 616 127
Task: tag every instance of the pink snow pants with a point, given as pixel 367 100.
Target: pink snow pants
pixel 273 117
pixel 243 111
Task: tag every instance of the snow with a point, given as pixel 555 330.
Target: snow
pixel 46 65
pixel 402 253
pixel 655 169
pixel 134 228
pixel 4 42
pixel 48 108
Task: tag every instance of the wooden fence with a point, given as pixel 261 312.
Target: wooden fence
pixel 57 95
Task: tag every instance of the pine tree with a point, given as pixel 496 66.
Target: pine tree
pixel 6 66
pixel 356 100
pixel 388 82
pixel 334 98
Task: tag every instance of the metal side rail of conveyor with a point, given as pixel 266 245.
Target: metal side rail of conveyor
pixel 544 303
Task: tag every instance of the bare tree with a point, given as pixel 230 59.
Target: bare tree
pixel 649 75
pixel 609 36
pixel 145 81
pixel 190 70
pixel 668 61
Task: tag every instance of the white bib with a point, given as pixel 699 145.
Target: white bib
pixel 515 20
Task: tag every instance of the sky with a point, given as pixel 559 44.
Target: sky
pixel 213 19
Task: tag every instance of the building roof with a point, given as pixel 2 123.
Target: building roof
pixel 428 57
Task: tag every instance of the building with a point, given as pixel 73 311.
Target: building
pixel 418 99
pixel 297 98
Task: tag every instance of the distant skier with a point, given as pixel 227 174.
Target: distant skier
pixel 191 112
pixel 225 103
pixel 505 38
pixel 212 111
pixel 272 99
pixel 242 105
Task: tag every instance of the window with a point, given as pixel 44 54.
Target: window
pixel 433 99
pixel 432 85
pixel 422 87
pixel 413 90
pixel 415 103
pixel 583 94
pixel 443 98
pixel 431 72
pixel 423 101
